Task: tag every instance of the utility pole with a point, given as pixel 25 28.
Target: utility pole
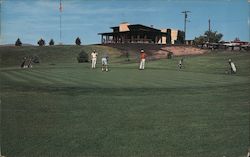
pixel 209 22
pixel 185 22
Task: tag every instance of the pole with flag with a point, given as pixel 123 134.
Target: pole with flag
pixel 0 22
pixel 60 9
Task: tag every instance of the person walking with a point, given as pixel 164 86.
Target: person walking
pixel 143 58
pixel 93 59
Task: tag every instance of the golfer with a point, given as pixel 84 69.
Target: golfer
pixel 232 66
pixel 93 59
pixel 181 63
pixel 30 63
pixel 105 63
pixel 23 62
pixel 142 57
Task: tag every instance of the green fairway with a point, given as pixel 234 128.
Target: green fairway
pixel 67 109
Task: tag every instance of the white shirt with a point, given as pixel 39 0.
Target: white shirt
pixel 233 66
pixel 94 55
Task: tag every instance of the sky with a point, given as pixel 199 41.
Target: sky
pixel 31 20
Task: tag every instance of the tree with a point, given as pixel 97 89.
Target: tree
pixel 213 37
pixel 209 36
pixel 51 42
pixel 78 41
pixel 236 39
pixel 41 42
pixel 18 42
pixel 200 40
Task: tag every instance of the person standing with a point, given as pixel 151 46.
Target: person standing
pixel 232 66
pixel 181 63
pixel 105 63
pixel 30 63
pixel 23 62
pixel 143 58
pixel 94 57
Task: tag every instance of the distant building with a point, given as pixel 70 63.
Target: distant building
pixel 137 33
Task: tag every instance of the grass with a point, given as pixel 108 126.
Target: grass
pixel 67 109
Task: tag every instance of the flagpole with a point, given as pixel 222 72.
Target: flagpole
pixel 0 23
pixel 60 28
pixel 60 21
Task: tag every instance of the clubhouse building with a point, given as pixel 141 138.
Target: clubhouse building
pixel 137 33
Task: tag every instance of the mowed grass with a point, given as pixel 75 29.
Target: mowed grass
pixel 71 110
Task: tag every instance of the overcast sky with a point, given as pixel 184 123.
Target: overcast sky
pixel 31 20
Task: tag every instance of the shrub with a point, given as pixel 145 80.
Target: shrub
pixel 170 55
pixel 36 59
pixel 127 56
pixel 18 42
pixel 82 57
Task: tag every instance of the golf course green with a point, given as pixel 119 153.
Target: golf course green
pixel 61 108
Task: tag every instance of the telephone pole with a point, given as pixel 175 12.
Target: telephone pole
pixel 185 22
pixel 209 22
pixel 209 29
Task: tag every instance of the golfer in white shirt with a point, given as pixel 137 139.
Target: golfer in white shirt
pixel 232 66
pixel 105 63
pixel 94 58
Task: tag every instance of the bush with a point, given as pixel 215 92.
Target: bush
pixel 127 56
pixel 83 57
pixel 18 42
pixel 36 59
pixel 170 55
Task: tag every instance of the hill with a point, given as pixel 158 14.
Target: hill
pixel 12 55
